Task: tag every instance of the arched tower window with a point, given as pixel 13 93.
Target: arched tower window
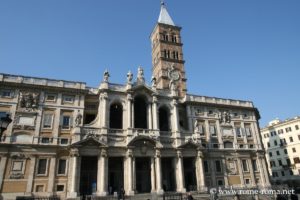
pixel 164 114
pixel 140 112
pixel 116 116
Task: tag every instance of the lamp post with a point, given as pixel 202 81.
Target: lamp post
pixel 4 122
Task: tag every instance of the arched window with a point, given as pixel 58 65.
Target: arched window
pixel 116 116
pixel 163 114
pixel 140 112
pixel 228 145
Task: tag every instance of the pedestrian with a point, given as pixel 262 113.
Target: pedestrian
pixel 189 196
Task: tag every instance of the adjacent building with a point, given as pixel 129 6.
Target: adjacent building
pixel 282 143
pixel 71 140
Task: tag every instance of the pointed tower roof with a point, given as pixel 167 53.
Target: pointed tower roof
pixel 164 16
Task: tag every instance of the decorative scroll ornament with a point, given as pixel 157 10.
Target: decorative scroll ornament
pixel 29 100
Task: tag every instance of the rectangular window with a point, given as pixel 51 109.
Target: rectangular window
pixel 64 141
pixel 254 164
pixel 47 121
pixel 6 94
pixel 212 129
pixel 68 99
pixel 280 162
pixel 296 160
pixel 275 142
pixel 291 139
pixel 51 97
pixel 60 188
pixel 278 153
pixel 238 131
pixel 62 164
pixel 247 181
pixel 268 144
pixel 296 127
pixel 248 130
pixel 270 154
pixel 288 162
pixel 294 150
pixel 218 166
pixel 298 137
pixel 66 122
pixel 220 183
pixel 45 140
pixel 285 151
pixel 282 173
pixel 42 166
pixel 291 172
pixel 245 165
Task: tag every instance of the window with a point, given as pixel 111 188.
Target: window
pixel 218 166
pixel 248 130
pixel 275 174
pixel 66 122
pixel 64 141
pixel 51 97
pixel 212 129
pixel 296 127
pixel 254 164
pixel 45 140
pixel 298 137
pixel 270 154
pixel 39 188
pixel 280 131
pixel 215 146
pixel 268 144
pixel 228 145
pixel 296 160
pixel 272 163
pixel 251 146
pixel 280 162
pixel 285 151
pixel 68 99
pixel 282 173
pixel 42 166
pixel 47 121
pixel 241 146
pixel 62 164
pixel 291 172
pixel 288 162
pixel 60 188
pixel 245 165
pixel 247 181
pixel 278 153
pixel 238 131
pixel 288 129
pixel 275 142
pixel 205 163
pixel 6 93
pixel 174 39
pixel 291 139
pixel 116 116
pixel 294 149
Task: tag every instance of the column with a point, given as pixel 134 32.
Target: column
pixel 250 161
pixel 265 171
pixel 31 174
pixel 239 162
pixel 3 162
pixel 207 132
pixel 52 173
pixel 154 113
pixel 200 172
pixel 102 173
pixel 149 116
pixel 73 174
pixel 159 189
pixel 129 164
pixel 104 109
pixel 179 173
pixel 152 175
pixel 175 125
pixel 190 119
pixel 225 172
pixel 129 111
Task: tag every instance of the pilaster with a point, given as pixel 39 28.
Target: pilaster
pixel 73 174
pixel 52 173
pixel 31 175
pixel 3 163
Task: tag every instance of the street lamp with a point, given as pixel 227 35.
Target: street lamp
pixel 4 122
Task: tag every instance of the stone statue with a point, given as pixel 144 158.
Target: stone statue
pixel 29 100
pixel 78 120
pixel 153 80
pixel 140 76
pixel 106 76
pixel 225 117
pixel 129 77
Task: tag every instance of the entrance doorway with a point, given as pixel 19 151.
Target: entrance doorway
pixel 190 174
pixel 88 175
pixel 143 175
pixel 168 174
pixel 115 174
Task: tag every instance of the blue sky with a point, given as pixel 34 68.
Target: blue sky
pixel 240 49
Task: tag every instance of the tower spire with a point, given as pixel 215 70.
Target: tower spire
pixel 164 17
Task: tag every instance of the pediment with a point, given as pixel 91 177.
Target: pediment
pixel 90 142
pixel 142 87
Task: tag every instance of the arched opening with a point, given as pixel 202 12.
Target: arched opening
pixel 163 114
pixel 140 112
pixel 116 116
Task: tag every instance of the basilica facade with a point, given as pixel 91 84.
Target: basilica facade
pixel 70 140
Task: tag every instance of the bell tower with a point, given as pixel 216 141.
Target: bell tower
pixel 167 56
